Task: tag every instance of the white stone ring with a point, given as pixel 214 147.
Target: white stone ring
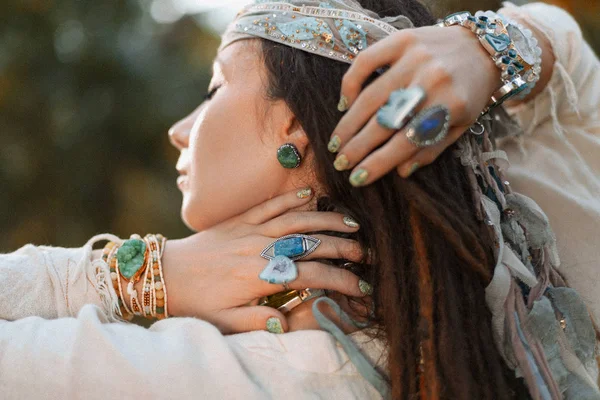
pixel 279 270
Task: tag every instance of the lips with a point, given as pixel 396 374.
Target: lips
pixel 182 181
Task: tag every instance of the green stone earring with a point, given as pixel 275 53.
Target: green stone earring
pixel 289 156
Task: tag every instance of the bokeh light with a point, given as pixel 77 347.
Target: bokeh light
pixel 88 91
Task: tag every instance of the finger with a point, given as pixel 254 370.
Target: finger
pixel 277 206
pixel 429 154
pixel 384 52
pixel 335 248
pixel 396 151
pixel 437 82
pixel 370 100
pixel 309 221
pixel 358 147
pixel 312 274
pixel 247 319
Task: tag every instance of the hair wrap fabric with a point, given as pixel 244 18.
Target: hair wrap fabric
pixel 541 328
pixel 335 29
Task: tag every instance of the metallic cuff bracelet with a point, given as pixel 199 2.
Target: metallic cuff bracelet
pixel 512 47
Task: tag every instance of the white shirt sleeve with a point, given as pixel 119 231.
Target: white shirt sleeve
pixel 556 162
pixel 54 282
pixel 60 339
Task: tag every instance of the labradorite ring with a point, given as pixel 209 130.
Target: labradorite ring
pixel 400 107
pixel 294 247
pixel 429 127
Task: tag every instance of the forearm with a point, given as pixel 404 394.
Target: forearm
pixel 52 282
pixel 88 357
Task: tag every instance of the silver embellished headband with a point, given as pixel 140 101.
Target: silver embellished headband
pixel 337 29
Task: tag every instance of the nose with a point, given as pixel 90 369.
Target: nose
pixel 179 134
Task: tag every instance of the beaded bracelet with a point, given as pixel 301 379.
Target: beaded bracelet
pixel 154 295
pixel 147 293
pixel 160 310
pixel 116 279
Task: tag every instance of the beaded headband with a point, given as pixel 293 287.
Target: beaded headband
pixel 335 29
pixel 542 328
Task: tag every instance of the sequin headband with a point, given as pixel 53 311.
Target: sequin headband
pixel 337 29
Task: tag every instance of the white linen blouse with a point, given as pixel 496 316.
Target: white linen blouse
pixel 61 339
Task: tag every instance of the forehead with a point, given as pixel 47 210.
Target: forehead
pixel 236 57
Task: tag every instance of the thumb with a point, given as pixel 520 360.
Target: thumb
pixel 246 319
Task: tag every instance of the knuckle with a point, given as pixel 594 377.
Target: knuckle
pixel 352 251
pixel 253 321
pixel 349 81
pixel 239 274
pixel 428 158
pixel 407 37
pixel 292 221
pixel 460 105
pixel 438 74
pixel 308 272
pixel 341 277
pixel 421 53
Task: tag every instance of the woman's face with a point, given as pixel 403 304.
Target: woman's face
pixel 228 145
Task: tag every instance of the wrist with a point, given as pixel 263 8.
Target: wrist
pixel 170 261
pixel 491 73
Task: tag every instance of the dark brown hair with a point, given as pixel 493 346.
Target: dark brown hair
pixel 431 258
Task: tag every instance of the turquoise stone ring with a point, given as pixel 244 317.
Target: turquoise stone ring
pixel 429 127
pixel 294 247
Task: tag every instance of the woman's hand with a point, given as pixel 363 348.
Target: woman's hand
pixel 448 63
pixel 213 275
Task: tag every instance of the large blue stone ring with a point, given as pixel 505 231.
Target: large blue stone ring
pixel 294 247
pixel 400 107
pixel 429 127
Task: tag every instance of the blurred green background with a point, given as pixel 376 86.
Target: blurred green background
pixel 88 90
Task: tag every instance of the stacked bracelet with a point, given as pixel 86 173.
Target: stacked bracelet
pixel 512 47
pixel 134 259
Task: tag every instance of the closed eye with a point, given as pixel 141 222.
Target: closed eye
pixel 211 93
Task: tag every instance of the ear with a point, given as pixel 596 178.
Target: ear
pixel 291 132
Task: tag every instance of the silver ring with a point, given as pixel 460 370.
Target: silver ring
pixel 429 127
pixel 285 286
pixel 477 123
pixel 400 107
pixel 294 247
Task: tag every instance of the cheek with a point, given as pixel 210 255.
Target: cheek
pixel 232 168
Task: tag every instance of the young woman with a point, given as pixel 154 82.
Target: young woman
pixel 408 259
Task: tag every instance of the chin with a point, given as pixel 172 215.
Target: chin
pixel 196 218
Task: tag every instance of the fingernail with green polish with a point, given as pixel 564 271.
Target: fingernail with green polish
pixel 359 177
pixel 274 325
pixel 304 193
pixel 413 168
pixel 343 104
pixel 341 162
pixel 365 287
pixel 334 144
pixel 349 221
